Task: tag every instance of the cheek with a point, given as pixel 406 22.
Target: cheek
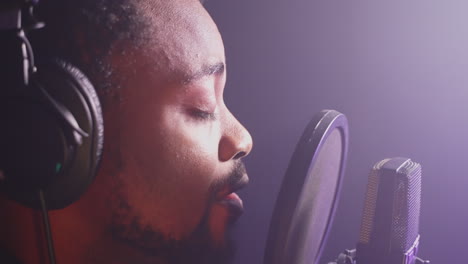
pixel 169 166
pixel 188 157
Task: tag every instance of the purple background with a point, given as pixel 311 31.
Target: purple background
pixel 398 70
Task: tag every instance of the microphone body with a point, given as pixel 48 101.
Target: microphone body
pixel 390 222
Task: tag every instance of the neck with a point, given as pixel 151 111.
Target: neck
pixel 21 233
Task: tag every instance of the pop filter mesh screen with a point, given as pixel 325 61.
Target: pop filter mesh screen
pixel 315 203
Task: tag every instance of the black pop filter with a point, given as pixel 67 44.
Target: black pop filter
pixel 309 193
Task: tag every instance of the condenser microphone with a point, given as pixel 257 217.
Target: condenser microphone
pixel 390 222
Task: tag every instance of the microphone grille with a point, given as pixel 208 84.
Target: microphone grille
pixel 370 202
pixel 407 206
pixel 392 205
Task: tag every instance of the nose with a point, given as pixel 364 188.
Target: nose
pixel 235 142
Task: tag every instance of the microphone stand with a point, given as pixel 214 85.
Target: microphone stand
pixel 349 257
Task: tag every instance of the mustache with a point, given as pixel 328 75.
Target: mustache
pixel 231 180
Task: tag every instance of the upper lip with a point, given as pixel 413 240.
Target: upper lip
pixel 241 183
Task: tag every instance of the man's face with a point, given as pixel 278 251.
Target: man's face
pixel 173 147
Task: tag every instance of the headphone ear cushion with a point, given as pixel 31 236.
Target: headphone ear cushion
pixel 90 95
pixel 83 168
pixel 71 107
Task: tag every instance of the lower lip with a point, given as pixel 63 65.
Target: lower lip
pixel 234 203
pixel 224 212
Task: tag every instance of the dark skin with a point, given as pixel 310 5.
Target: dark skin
pixel 171 146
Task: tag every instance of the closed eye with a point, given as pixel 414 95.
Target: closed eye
pixel 203 115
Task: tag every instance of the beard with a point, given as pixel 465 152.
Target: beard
pixel 198 247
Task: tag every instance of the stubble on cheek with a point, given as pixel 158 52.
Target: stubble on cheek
pixel 145 217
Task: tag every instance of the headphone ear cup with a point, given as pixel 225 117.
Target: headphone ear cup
pixel 86 108
pixel 75 118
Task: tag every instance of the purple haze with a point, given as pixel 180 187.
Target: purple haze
pixel 397 69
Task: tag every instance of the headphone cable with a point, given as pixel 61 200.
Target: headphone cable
pixel 45 219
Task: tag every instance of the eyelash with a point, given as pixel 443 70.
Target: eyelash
pixel 203 115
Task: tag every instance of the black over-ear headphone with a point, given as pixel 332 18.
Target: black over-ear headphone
pixel 51 127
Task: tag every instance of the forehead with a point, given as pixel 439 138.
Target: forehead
pixel 180 37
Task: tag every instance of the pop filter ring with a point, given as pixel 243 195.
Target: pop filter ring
pixel 281 234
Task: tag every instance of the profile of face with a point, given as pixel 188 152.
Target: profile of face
pixel 173 150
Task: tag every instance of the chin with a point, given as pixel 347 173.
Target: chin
pixel 209 243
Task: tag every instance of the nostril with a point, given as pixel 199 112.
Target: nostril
pixel 239 155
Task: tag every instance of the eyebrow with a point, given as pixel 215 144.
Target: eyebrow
pixel 205 71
